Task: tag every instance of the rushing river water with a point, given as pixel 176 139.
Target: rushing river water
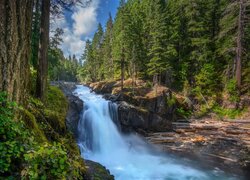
pixel 126 156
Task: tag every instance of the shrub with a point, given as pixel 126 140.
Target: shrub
pixel 14 138
pixel 228 113
pixel 183 113
pixel 207 80
pixel 232 90
pixel 47 162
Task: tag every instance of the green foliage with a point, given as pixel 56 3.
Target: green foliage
pixel 27 148
pixel 56 100
pixel 226 113
pixel 46 162
pixel 33 77
pixel 183 112
pixel 171 101
pixel 207 80
pixel 30 123
pixel 232 91
pixel 60 68
pixel 189 46
pixel 14 138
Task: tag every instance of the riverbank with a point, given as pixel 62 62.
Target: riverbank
pixel 215 142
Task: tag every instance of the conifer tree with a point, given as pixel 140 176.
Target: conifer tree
pixel 108 61
pixel 232 41
pixel 157 63
pixel 98 53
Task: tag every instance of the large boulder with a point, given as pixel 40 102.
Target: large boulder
pixel 97 171
pixel 74 113
pixel 134 118
pixel 130 117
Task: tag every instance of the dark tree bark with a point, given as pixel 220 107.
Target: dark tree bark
pixel 42 71
pixel 15 37
pixel 35 31
pixel 239 49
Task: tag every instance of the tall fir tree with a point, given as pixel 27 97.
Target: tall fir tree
pixel 108 62
pixel 158 63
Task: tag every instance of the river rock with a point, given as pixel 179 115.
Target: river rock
pixel 97 171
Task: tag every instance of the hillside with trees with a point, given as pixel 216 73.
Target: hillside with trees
pixel 198 48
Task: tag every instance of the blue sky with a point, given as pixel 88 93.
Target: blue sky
pixel 81 24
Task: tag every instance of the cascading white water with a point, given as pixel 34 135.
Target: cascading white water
pixel 127 157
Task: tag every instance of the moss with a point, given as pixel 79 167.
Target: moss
pixel 56 120
pixel 170 101
pixel 56 101
pixel 30 122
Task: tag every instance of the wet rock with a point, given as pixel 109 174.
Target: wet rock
pixel 75 107
pixel 130 118
pixel 103 87
pixel 144 109
pixel 96 171
pixel 74 112
pixel 111 97
pixel 133 118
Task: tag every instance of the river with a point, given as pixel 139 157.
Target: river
pixel 127 157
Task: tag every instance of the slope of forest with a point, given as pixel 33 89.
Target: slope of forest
pixel 197 48
pixel 35 143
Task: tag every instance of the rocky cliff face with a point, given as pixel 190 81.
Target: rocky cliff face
pixel 137 118
pixel 75 107
pixel 140 109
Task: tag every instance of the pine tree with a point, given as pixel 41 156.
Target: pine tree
pixel 98 53
pixel 108 62
pixel 157 63
pixel 232 38
pixel 178 42
pixel 121 43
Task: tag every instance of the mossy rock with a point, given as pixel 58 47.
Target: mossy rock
pixel 56 101
pixel 56 120
pixel 31 123
pixel 96 171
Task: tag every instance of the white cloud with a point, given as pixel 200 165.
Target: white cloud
pixel 73 44
pixel 84 22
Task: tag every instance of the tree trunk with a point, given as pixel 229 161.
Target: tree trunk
pixel 239 44
pixel 122 69
pixel 42 70
pixel 35 32
pixel 15 37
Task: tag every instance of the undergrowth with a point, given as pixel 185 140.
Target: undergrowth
pixel 34 143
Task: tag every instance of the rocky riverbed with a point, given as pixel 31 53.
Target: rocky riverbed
pixel 225 145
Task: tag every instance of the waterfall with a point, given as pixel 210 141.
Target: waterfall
pixel 127 157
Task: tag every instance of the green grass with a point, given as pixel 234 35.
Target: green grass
pixel 227 113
